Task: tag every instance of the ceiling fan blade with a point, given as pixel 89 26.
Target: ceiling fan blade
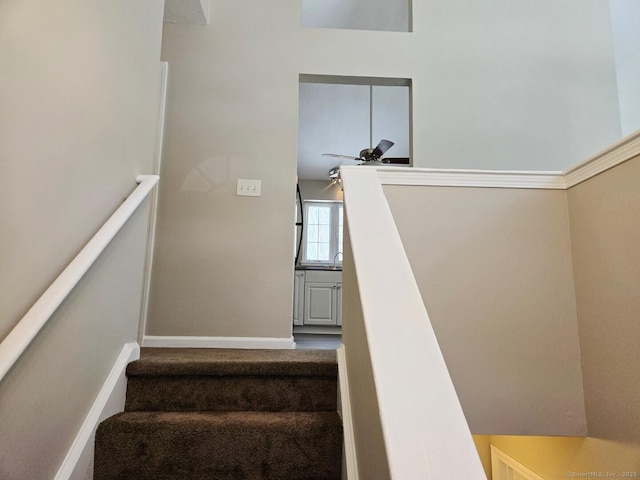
pixel 382 147
pixel 345 157
pixel 396 160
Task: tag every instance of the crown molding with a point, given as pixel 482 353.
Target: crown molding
pixel 619 152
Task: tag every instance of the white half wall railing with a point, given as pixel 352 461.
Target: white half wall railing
pixel 424 430
pixel 21 336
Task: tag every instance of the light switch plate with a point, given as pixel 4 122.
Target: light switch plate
pixel 248 188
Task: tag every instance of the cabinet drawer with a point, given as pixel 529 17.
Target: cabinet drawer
pixel 329 276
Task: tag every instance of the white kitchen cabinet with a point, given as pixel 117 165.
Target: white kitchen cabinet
pixel 339 305
pixel 298 297
pixel 323 298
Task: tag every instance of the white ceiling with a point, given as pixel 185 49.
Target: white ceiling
pixel 187 11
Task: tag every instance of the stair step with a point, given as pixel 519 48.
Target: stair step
pixel 232 380
pixel 220 445
pixel 228 361
pixel 276 394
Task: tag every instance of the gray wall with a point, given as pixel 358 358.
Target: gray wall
pixel 625 17
pixel 605 235
pixel 47 395
pixel 494 85
pixel 79 103
pixel 79 96
pixel 495 273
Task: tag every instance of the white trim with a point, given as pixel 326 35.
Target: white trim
pixel 17 341
pixel 218 342
pixel 350 460
pixel 153 213
pixel 620 152
pixel 470 178
pixel 614 155
pixel 78 463
pixel 498 458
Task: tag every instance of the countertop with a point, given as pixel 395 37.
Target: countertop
pixel 326 268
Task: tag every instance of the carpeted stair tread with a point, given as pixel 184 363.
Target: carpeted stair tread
pixel 225 414
pixel 181 393
pixel 213 361
pixel 180 379
pixel 219 445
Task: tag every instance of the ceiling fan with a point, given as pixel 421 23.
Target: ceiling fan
pixel 368 156
pixel 373 156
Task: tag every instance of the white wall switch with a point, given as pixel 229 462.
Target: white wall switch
pixel 248 188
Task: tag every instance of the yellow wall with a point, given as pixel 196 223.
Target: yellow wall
pixel 556 457
pixel 483 444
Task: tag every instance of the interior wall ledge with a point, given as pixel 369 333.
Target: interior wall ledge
pixel 471 178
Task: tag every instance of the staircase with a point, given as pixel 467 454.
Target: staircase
pixel 225 414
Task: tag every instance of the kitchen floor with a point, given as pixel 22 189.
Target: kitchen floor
pixel 308 341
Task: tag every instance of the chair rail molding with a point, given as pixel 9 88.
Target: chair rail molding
pixel 617 153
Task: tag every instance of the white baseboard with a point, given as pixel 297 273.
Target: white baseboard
pixel 78 464
pixel 350 464
pixel 218 342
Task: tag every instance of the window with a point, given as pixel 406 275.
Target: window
pixel 382 15
pixel 323 233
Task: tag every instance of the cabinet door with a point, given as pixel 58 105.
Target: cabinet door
pixel 298 298
pixel 339 304
pixel 320 303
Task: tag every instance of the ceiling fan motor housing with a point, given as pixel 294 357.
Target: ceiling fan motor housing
pixel 367 155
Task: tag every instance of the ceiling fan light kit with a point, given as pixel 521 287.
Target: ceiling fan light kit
pixel 334 175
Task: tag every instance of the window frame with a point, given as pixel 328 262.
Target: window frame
pixel 334 247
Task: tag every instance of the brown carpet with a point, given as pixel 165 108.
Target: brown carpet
pixel 225 414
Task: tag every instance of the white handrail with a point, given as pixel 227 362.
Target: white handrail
pixel 424 430
pixel 14 345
